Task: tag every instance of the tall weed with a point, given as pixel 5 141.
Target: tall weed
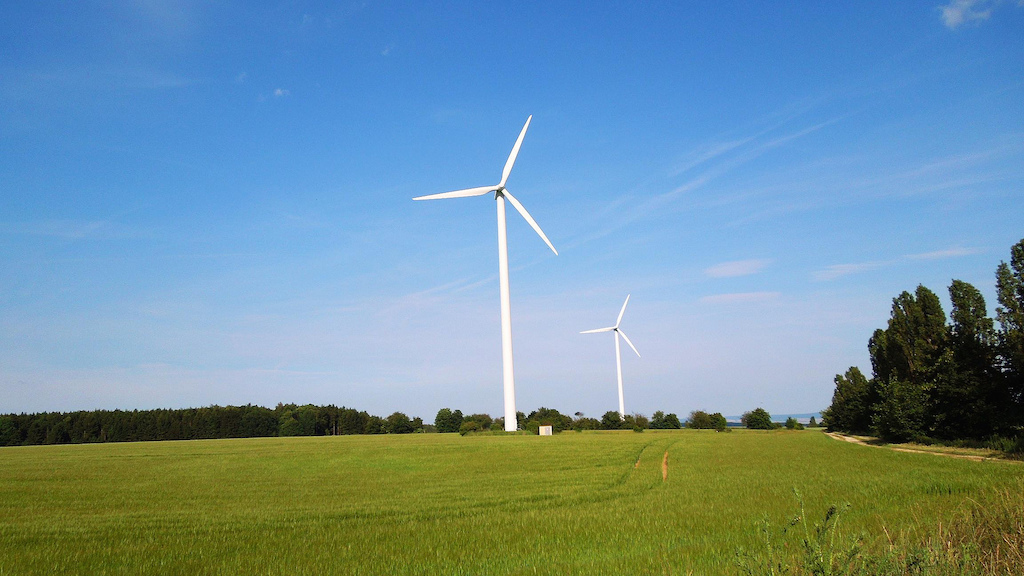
pixel 984 538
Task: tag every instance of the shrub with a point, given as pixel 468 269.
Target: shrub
pixel 636 420
pixel 469 426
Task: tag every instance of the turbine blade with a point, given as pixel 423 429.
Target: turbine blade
pixel 529 219
pixel 626 338
pixel 621 312
pixel 596 330
pixel 478 191
pixel 515 152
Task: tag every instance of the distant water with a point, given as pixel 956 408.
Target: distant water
pixel 803 418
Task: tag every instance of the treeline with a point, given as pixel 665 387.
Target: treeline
pixel 448 420
pixel 290 420
pixel 961 379
pixel 196 423
pixel 309 420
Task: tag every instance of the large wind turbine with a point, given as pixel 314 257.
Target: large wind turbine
pixel 618 354
pixel 500 194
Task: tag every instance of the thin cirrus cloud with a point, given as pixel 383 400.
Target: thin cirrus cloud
pixel 839 270
pixel 942 254
pixel 709 162
pixel 740 298
pixel 737 268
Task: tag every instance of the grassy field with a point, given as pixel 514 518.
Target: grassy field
pixel 591 503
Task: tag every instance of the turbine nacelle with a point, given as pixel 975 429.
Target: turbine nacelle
pixel 618 357
pixel 500 195
pixel 616 329
pixel 499 190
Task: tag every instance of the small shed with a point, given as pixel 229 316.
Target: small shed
pixel 545 431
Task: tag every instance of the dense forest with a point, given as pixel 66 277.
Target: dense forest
pixel 955 380
pixel 196 423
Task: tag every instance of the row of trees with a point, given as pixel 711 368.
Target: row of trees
pixel 448 420
pixel 197 423
pixel 961 379
pixel 309 420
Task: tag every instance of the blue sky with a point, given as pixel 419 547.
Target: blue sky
pixel 210 203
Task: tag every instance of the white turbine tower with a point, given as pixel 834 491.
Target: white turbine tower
pixel 500 194
pixel 618 354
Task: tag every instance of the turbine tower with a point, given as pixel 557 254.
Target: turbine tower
pixel 500 195
pixel 618 354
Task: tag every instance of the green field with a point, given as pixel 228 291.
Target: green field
pixel 590 503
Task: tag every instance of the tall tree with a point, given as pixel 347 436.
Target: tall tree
pixel 966 398
pixel 901 412
pixel 915 338
pixel 1010 313
pixel 851 403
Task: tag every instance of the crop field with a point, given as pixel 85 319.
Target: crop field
pixel 574 503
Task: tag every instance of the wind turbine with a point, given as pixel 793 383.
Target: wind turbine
pixel 500 194
pixel 618 354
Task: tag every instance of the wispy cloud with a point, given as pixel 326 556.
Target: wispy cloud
pixel 281 92
pixel 708 153
pixel 172 17
pixel 56 84
pixel 69 229
pixel 943 254
pixel 960 12
pixel 839 270
pixel 752 153
pixel 737 268
pixel 716 160
pixel 740 298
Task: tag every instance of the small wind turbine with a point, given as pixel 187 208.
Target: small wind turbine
pixel 500 194
pixel 618 354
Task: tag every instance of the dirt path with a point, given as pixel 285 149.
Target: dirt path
pixel 860 441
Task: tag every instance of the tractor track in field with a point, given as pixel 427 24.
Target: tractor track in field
pixel 862 442
pixel 664 461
